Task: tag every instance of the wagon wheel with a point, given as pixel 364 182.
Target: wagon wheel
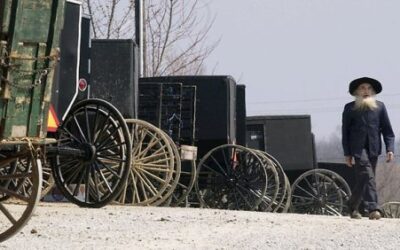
pixel 176 178
pixel 8 166
pixel 391 209
pixel 94 156
pixel 48 179
pixel 152 165
pixel 273 183
pixel 167 195
pixel 185 184
pixel 231 177
pixel 19 207
pixel 317 192
pixel 287 198
pixel 343 187
pixel 280 203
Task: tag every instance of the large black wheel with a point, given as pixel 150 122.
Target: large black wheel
pixel 20 189
pixel 231 177
pixel 94 154
pixel 320 191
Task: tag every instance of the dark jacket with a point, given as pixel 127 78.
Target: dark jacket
pixel 363 130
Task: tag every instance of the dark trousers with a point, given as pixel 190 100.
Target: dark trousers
pixel 365 187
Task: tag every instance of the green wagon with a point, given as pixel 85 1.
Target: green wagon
pixel 92 152
pixel 29 34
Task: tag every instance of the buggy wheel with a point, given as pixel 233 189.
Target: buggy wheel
pixel 18 208
pixel 171 193
pixel 92 165
pixel 281 202
pixel 48 179
pixel 391 209
pixel 343 188
pixel 152 165
pixel 273 183
pixel 231 177
pixel 287 198
pixel 317 192
pixel 185 184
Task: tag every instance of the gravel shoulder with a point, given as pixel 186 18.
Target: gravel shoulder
pixel 66 226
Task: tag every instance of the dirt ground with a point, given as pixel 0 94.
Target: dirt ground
pixel 66 226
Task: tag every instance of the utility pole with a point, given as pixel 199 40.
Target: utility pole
pixel 140 34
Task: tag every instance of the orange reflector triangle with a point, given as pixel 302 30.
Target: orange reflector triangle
pixel 52 121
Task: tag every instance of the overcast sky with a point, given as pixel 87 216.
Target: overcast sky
pixel 298 56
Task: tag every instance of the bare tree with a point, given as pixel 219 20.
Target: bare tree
pixel 176 37
pixel 111 18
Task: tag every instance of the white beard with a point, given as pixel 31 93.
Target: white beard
pixel 365 103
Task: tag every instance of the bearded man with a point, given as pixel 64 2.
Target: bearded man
pixel 364 121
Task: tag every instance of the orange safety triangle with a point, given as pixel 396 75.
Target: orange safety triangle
pixel 52 121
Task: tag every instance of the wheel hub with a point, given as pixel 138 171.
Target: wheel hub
pixel 90 152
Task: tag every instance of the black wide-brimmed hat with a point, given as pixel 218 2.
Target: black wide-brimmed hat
pixel 357 82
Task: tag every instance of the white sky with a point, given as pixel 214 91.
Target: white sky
pixel 298 56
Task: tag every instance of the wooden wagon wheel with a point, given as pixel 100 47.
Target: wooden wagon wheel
pixel 176 177
pixel 19 207
pixel 273 183
pixel 152 166
pixel 48 179
pixel 391 209
pixel 319 191
pixel 231 177
pixel 343 187
pixel 185 184
pixel 281 203
pixel 287 198
pixel 94 154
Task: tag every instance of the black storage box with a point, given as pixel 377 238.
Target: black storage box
pixel 114 74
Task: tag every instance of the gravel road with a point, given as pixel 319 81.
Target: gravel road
pixel 66 226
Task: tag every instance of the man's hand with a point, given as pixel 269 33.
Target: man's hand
pixel 389 156
pixel 349 161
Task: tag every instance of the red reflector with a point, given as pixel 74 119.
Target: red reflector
pixel 82 84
